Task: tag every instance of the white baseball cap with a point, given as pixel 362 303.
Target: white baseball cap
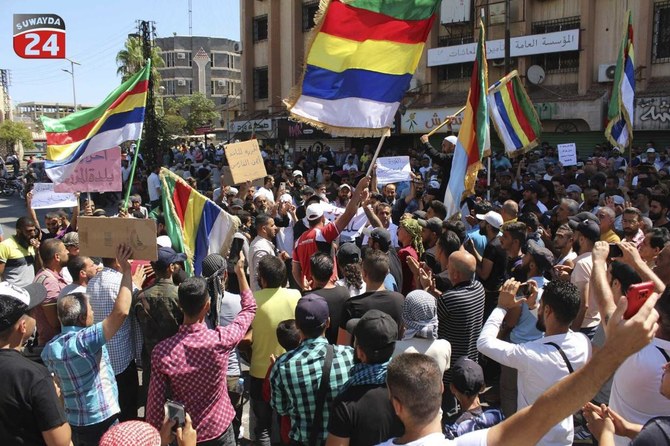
pixel 452 139
pixel 286 198
pixel 493 218
pixel 314 211
pixel 297 173
pixel 164 241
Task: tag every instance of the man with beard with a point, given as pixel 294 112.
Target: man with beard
pixel 658 211
pixel 54 256
pixel 632 223
pixel 563 241
pixel 18 259
pixel 542 362
pixel 343 196
pixel 492 265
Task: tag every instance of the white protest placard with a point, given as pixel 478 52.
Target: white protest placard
pixel 567 154
pixel 393 169
pixel 44 197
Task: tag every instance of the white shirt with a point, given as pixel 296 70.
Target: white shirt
pixel 635 389
pixel 438 349
pixel 581 274
pixel 154 186
pixel 571 256
pixel 476 438
pixel 284 237
pixel 539 366
pixel 258 249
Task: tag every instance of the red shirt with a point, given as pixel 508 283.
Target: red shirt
pixel 315 239
pixel 193 364
pixel 408 283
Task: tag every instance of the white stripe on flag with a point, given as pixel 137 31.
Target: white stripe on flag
pixel 456 186
pixel 500 125
pixel 347 112
pixel 221 234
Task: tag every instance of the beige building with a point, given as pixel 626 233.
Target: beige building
pixel 564 50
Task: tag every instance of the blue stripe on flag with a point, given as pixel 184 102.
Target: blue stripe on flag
pixel 505 118
pixel 114 122
pixel 617 129
pixel 354 83
pixel 210 213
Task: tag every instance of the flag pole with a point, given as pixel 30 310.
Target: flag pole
pixel 446 121
pixel 488 179
pixel 131 178
pixel 374 157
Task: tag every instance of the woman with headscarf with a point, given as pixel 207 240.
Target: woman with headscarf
pixel 419 330
pixel 409 237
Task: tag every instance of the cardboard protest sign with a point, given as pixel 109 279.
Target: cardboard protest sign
pixel 44 197
pixel 393 169
pixel 228 178
pixel 567 154
pixel 100 236
pixel 245 161
pixel 100 172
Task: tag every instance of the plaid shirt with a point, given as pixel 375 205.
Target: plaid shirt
pixel 192 364
pixel 78 357
pixel 295 380
pixel 102 290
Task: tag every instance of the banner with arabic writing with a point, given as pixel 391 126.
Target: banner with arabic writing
pixel 100 172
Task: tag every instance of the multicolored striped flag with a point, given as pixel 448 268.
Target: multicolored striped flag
pixel 474 135
pixel 513 114
pixel 118 119
pixel 621 110
pixel 196 225
pixel 360 63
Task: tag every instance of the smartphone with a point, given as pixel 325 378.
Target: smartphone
pixel 523 291
pixel 175 411
pixel 637 294
pixel 282 185
pixel 615 251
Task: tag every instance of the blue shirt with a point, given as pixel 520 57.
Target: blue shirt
pixel 478 239
pixel 79 358
pixel 525 330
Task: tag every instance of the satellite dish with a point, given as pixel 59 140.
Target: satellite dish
pixel 535 74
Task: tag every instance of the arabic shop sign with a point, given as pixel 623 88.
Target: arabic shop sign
pixel 519 46
pixel 254 125
pixel 424 120
pixel 652 113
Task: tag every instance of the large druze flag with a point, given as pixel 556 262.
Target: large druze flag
pixel 118 119
pixel 360 61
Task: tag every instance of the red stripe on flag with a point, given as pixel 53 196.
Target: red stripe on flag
pixel 473 100
pixel 360 25
pixel 180 199
pixel 520 115
pixel 140 87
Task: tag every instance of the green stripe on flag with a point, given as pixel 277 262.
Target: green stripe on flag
pixel 482 112
pixel 398 9
pixel 528 110
pixel 83 117
pixel 172 223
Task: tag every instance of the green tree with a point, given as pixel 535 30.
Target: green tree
pixel 195 110
pixel 12 133
pixel 130 60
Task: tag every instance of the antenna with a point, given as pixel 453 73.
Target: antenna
pixel 190 17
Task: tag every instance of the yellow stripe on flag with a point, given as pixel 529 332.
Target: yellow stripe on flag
pixel 504 94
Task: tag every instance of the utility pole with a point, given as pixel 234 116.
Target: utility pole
pixel 4 84
pixel 507 37
pixel 71 72
pixel 147 31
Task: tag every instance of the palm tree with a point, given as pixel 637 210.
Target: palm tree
pixel 131 59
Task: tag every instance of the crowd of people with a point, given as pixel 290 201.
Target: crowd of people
pixel 353 311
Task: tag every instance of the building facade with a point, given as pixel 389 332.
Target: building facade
pixel 209 65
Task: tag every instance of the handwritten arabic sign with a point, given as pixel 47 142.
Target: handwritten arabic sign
pixel 100 237
pixel 567 154
pixel 258 125
pixel 393 169
pixel 245 161
pixel 424 120
pixel 652 113
pixel 44 197
pixel 228 178
pixel 100 172
pixel 555 42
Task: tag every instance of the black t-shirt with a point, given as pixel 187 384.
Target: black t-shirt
pixel 389 302
pixel 655 432
pixel 395 267
pixel 364 414
pixel 335 298
pixel 496 254
pixel 28 401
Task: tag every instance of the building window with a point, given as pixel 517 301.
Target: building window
pixel 211 60
pixel 261 83
pixel 260 28
pixel 455 71
pixel 170 87
pixel 189 56
pixel 456 40
pixel 309 10
pixel 565 62
pixel 661 38
pixel 169 59
pixel 231 88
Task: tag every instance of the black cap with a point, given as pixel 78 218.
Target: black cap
pixel 541 256
pixel 434 224
pixel 589 229
pixel 311 312
pixel 168 256
pixel 25 299
pixel 381 236
pixel 467 376
pixel 375 330
pixel 348 253
pixel 532 186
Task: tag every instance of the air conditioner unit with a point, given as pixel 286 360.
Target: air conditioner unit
pixel 181 55
pixel 221 83
pixel 181 82
pixel 237 47
pixel 606 72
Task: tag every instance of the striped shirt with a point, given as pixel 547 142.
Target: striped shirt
pixel 295 380
pixel 459 312
pixel 78 357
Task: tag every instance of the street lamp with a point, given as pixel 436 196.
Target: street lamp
pixel 71 72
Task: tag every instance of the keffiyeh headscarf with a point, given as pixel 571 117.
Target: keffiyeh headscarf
pixel 414 228
pixel 419 315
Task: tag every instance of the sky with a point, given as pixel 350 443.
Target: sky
pixel 95 31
